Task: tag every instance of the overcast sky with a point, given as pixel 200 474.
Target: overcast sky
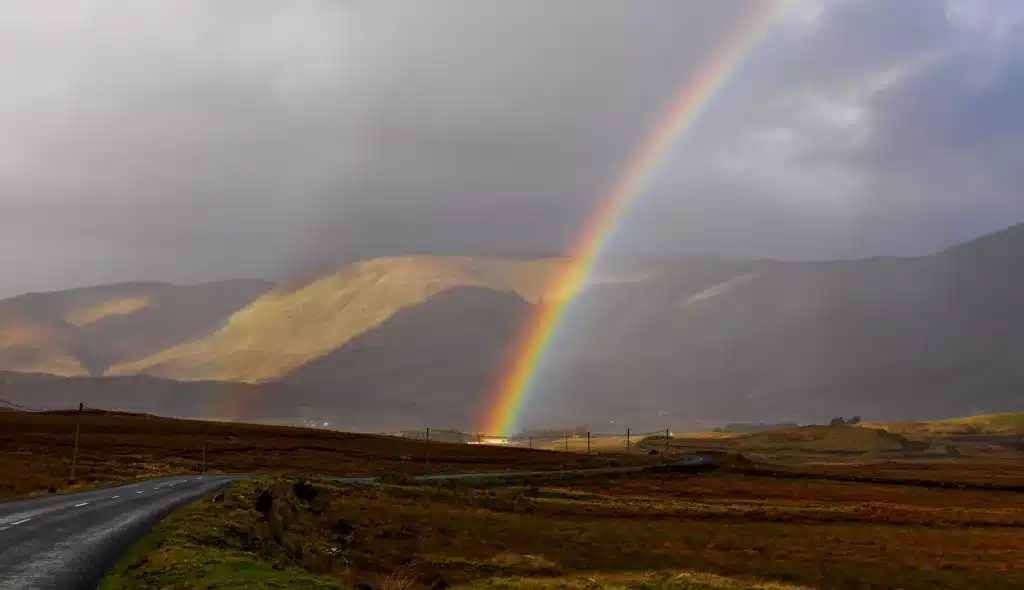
pixel 191 140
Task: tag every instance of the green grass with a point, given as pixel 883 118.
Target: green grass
pixel 217 569
pixel 183 551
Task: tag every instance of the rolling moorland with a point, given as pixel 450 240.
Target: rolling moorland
pixel 391 343
pixel 809 507
pixel 722 529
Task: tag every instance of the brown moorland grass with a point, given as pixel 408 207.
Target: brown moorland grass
pixel 36 450
pixel 1006 472
pixel 830 535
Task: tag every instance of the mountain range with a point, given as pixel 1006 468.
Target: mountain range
pixel 420 340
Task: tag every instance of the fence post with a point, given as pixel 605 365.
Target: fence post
pixel 74 454
pixel 666 440
pixel 588 442
pixel 629 445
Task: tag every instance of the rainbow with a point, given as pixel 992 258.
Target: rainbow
pixel 518 374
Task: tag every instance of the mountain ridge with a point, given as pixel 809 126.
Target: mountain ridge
pixel 898 338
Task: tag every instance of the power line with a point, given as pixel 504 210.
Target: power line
pixel 18 406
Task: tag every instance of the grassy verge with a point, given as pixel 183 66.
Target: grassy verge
pixel 651 531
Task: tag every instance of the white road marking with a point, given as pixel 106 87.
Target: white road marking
pixel 14 524
pixel 114 497
pixel 82 504
pixel 139 492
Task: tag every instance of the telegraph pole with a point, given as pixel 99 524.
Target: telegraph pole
pixel 588 442
pixel 629 445
pixel 203 468
pixel 74 455
pixel 666 440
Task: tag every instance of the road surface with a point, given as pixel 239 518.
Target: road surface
pixel 685 463
pixel 68 541
pixel 688 461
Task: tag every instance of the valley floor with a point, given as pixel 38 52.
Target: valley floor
pixel 37 450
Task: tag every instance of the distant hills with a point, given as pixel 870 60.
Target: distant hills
pixel 415 340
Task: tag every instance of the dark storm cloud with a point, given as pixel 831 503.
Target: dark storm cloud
pixel 192 140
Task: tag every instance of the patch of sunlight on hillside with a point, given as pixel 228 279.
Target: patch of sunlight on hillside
pixel 293 325
pixel 1006 423
pixel 719 289
pixel 111 307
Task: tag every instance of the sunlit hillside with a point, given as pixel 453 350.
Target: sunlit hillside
pixel 112 307
pixel 1006 423
pixel 83 331
pixel 293 325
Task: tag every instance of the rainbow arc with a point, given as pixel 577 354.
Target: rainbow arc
pixel 520 370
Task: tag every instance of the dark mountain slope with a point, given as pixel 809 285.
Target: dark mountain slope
pixel 432 364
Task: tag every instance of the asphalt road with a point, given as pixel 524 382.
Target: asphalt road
pixel 687 462
pixel 68 541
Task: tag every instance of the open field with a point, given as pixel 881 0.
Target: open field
pixel 858 444
pixel 36 451
pixel 632 532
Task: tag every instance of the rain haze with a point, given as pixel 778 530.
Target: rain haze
pixel 190 141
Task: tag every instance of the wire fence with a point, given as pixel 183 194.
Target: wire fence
pixel 569 440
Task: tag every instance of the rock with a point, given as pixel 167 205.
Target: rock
pixel 265 501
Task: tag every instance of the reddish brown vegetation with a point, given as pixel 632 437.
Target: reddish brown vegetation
pixel 36 450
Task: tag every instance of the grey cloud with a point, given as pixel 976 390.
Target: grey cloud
pixel 191 140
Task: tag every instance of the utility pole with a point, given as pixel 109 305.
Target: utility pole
pixel 588 442
pixel 566 441
pixel 428 434
pixel 531 442
pixel 202 469
pixel 74 455
pixel 666 440
pixel 629 445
